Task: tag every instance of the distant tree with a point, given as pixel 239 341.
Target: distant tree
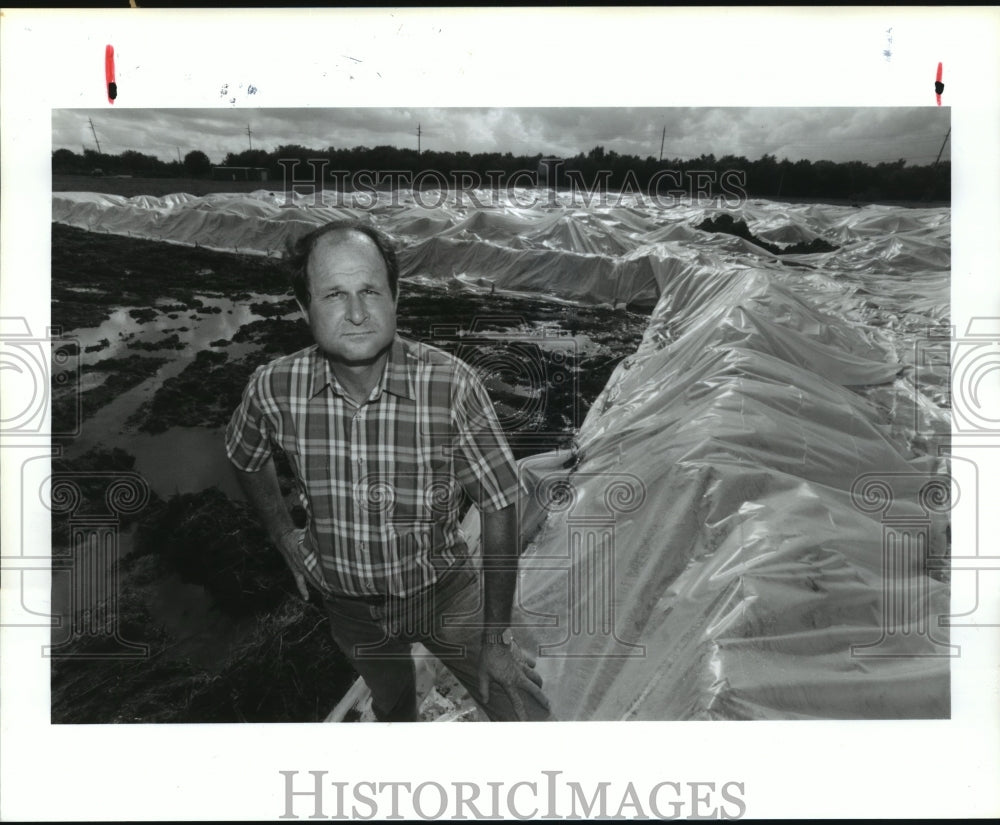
pixel 141 165
pixel 764 177
pixel 66 162
pixel 197 164
pixel 248 157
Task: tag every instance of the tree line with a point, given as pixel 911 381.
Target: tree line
pixel 763 177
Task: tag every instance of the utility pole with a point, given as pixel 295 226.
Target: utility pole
pixel 178 148
pixel 418 138
pixel 942 146
pixel 94 131
pixel 663 137
pixel 249 133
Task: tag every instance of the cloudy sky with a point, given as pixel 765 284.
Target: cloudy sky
pixel 838 134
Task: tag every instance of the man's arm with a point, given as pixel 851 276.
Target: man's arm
pixel 499 541
pixel 490 477
pixel 505 664
pixel 263 492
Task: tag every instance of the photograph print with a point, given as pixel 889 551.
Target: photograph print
pixel 563 414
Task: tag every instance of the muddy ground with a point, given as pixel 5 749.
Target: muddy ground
pixel 166 337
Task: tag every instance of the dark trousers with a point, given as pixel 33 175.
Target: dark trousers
pixel 376 635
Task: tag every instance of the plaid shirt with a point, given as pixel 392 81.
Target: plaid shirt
pixel 381 483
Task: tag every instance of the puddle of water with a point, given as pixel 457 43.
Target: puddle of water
pixel 180 460
pixel 197 335
pixel 205 635
pixel 106 424
pixel 62 598
pixel 187 612
pixel 89 381
pixel 183 460
pixel 551 336
pixel 90 290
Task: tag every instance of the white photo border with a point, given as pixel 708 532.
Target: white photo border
pixel 455 57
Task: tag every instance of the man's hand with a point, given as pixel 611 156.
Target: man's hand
pixel 290 546
pixel 514 670
pixel 264 493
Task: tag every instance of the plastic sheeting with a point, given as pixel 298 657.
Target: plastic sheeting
pixel 557 247
pixel 745 533
pixel 718 549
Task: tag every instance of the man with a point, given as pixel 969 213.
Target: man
pixel 385 436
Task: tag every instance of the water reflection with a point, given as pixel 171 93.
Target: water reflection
pixel 204 635
pixel 196 330
pixel 183 460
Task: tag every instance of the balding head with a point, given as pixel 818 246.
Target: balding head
pixel 300 254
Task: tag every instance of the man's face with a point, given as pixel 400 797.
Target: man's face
pixel 352 312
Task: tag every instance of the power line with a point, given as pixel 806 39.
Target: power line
pixel 942 146
pixel 94 131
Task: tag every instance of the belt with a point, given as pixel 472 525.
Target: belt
pixel 379 599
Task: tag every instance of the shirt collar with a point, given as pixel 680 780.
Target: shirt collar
pixel 396 378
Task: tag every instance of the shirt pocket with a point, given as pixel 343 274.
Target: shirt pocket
pixel 422 490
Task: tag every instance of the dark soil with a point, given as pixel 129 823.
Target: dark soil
pixel 203 395
pixel 286 669
pixel 275 336
pixel 565 379
pixel 143 315
pixel 212 541
pixel 156 187
pixel 170 342
pixel 130 272
pixel 71 408
pixel 91 475
pixel 274 308
pixel 729 225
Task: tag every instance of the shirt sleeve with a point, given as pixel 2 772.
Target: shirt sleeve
pixel 248 435
pixel 484 464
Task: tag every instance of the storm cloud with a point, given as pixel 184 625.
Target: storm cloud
pixel 870 134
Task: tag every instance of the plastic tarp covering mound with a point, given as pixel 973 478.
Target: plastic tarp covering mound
pixel 719 551
pixel 554 246
pixel 747 524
